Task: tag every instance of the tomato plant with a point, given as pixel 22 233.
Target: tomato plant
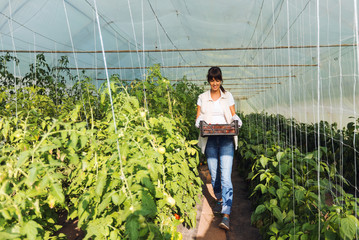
pixel 65 153
pixel 176 101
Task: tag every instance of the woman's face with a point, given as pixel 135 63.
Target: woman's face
pixel 215 84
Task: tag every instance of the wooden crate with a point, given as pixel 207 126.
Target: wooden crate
pixel 219 129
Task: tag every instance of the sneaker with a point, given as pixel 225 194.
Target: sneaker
pixel 225 223
pixel 217 208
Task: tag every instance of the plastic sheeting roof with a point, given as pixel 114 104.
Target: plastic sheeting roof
pixel 289 54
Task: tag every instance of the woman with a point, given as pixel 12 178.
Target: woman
pixel 216 106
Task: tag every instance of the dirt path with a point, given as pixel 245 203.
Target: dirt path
pixel 240 219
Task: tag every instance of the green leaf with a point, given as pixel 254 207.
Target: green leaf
pixel 250 175
pixel 57 142
pixel 115 198
pixel 305 237
pixel 280 193
pixel 263 160
pixel 350 126
pixel 262 187
pixel 148 205
pixel 299 195
pixel 279 156
pixel 307 227
pixel 80 125
pixel 74 159
pixel 83 140
pixel 31 229
pixel 5 214
pixel 329 235
pixel 118 198
pixel 105 202
pixel 64 136
pixel 101 181
pixel 276 178
pixel 278 214
pixel 83 211
pixel 114 235
pixel 262 176
pixel 271 190
pixel 132 227
pixel 22 158
pixel 56 191
pixel 283 168
pixel 73 140
pixel 149 184
pixel 193 142
pixel 347 228
pixel 260 209
pixel 47 148
pixel 353 218
pixel 32 175
pixel 6 129
pixel 7 235
pixel 274 228
pixel 75 112
pixel 273 202
pixel 44 182
pixel 99 228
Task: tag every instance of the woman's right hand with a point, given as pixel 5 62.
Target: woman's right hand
pixel 198 120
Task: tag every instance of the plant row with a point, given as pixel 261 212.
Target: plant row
pixel 117 160
pixel 342 144
pixel 296 194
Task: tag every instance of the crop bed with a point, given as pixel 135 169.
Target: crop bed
pixel 117 169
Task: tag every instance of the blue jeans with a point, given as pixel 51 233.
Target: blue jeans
pixel 219 153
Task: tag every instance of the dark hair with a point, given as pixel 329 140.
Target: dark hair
pixel 216 73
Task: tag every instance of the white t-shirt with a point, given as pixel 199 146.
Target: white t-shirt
pixel 217 112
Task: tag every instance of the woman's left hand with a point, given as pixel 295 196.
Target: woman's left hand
pixel 235 117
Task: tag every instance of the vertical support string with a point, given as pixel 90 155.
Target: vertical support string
pixel 160 45
pixel 56 80
pixel 110 95
pixel 133 70
pixel 341 96
pixel 118 58
pixel 75 59
pixel 14 48
pixel 329 77
pixel 144 60
pixel 264 118
pixel 291 115
pixel 95 45
pixel 276 90
pixel 135 38
pixel 318 116
pixel 178 60
pixel 301 92
pixel 354 104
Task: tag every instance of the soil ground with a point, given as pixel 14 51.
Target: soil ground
pixel 207 222
pixel 69 228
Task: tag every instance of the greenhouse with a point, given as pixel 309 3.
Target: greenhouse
pixel 104 108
